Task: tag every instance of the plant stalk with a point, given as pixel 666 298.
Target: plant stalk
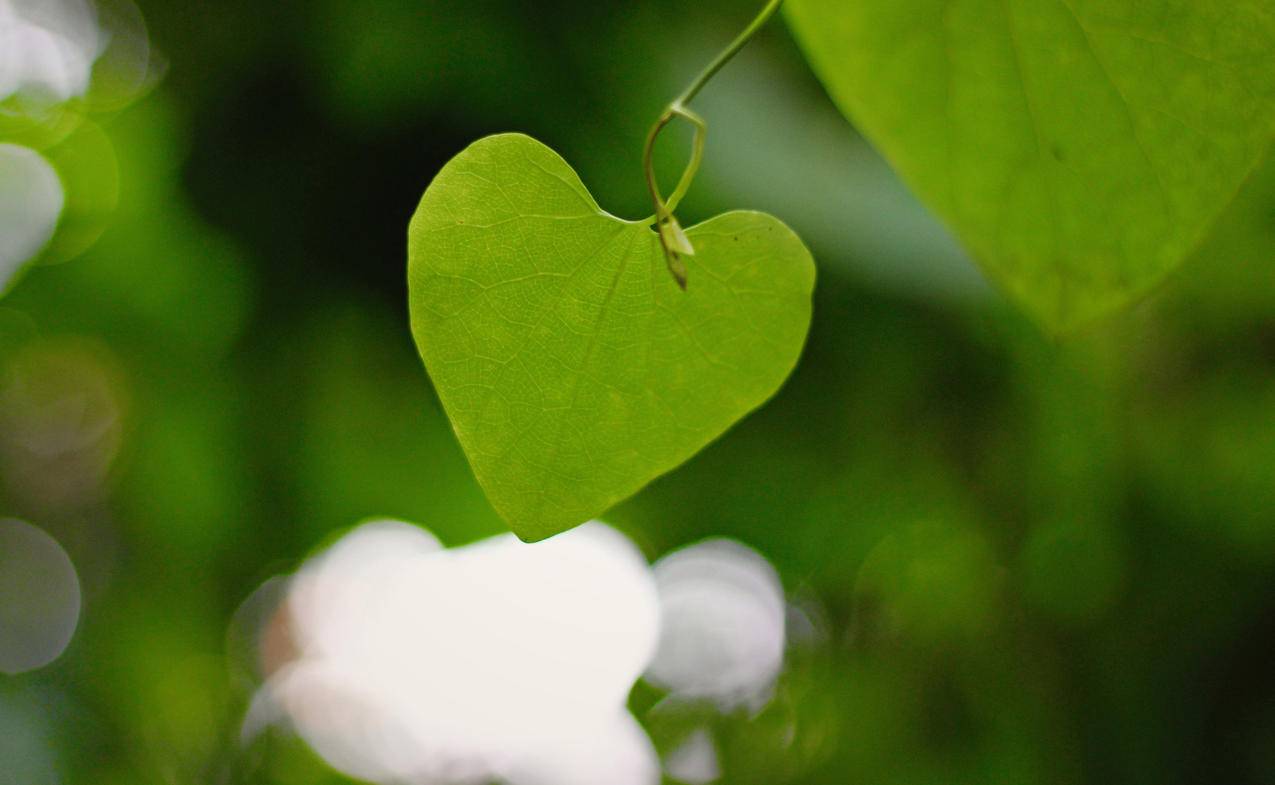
pixel 672 238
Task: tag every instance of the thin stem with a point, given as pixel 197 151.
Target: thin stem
pixel 729 52
pixel 697 156
pixel 672 238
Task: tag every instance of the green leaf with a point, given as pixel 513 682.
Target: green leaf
pixel 1080 148
pixel 573 368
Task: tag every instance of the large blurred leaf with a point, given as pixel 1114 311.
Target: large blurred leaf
pixel 1080 148
pixel 572 367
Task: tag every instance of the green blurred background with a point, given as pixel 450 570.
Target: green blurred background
pixel 1024 560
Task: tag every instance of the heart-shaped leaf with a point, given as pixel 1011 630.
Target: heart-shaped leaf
pixel 1080 148
pixel 573 368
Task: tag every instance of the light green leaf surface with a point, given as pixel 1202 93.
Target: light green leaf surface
pixel 572 367
pixel 1080 148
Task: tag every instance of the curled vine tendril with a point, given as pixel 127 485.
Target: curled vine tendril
pixel 672 238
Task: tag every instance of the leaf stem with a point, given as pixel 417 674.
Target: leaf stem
pixel 729 53
pixel 672 238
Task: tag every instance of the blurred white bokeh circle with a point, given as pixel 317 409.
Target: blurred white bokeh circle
pixel 31 200
pixel 39 598
pixel 47 49
pixel 694 761
pixel 722 637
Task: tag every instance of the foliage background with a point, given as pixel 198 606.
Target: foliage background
pixel 1030 560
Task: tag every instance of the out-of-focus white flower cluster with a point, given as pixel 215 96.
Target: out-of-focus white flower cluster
pixel 401 662
pixel 499 660
pixel 47 49
pixel 60 62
